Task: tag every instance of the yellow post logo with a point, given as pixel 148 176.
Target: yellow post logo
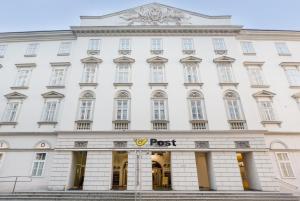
pixel 141 141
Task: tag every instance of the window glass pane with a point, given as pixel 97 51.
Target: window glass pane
pixel 282 48
pixel 255 74
pixel 94 44
pixel 31 49
pixel 124 44
pixel 219 44
pixel 247 47
pixel 187 44
pixel 2 50
pixel 157 73
pixel 225 72
pixel 293 75
pixel 64 48
pixel 89 75
pixel 156 44
pixel 10 112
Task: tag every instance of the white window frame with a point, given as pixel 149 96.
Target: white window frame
pixel 219 44
pixel 267 114
pixel 120 70
pixel 31 49
pixel 294 80
pixel 234 109
pixel 156 44
pixel 279 162
pixel 187 44
pixel 39 162
pixel 191 73
pixel 64 48
pixel 25 81
pixel 247 47
pixel 88 79
pixel 256 76
pixel 165 109
pixel 225 72
pixel 94 44
pixel 125 44
pixel 85 113
pixel 58 80
pixel 201 106
pixel 16 112
pixel 282 49
pixel 122 109
pixel 3 48
pixel 50 112
pixel 156 68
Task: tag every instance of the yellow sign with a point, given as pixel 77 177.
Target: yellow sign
pixel 141 141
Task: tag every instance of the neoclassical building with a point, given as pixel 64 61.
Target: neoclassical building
pixel 150 98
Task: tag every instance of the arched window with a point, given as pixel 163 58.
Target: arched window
pixel 233 106
pixel 122 105
pixel 159 110
pixel 85 110
pixel 197 107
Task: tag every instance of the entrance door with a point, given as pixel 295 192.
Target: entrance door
pixel 120 163
pixel 161 171
pixel 202 171
pixel 79 159
pixel 243 170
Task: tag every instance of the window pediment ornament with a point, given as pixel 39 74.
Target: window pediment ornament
pixel 253 63
pixel 195 94
pixel 264 93
pixel 224 59
pixel 91 59
pixel 288 64
pixel 124 59
pixel 123 94
pixel 87 95
pixel 190 59
pixel 42 145
pixel 15 95
pixel 159 94
pixel 25 65
pixel 157 59
pixel 53 94
pixel 55 64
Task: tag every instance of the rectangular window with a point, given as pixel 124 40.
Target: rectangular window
pixel 22 79
pixel 122 109
pixel 187 44
pixel 38 164
pixel 293 76
pixel 50 111
pixel 284 164
pixel 157 73
pixel 282 49
pixel 191 73
pixel 64 48
pixel 10 113
pixel 234 110
pixel 247 47
pixel 85 110
pixel 31 49
pixel 197 109
pixel 256 76
pixel 89 74
pixel 125 44
pixel 123 73
pixel 94 45
pixel 156 44
pixel 225 73
pixel 159 110
pixel 58 76
pixel 2 50
pixel 267 111
pixel 219 44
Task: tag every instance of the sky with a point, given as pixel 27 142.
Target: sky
pixel 35 15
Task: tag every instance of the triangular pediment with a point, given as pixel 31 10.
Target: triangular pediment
pixel 157 59
pixel 154 14
pixel 124 59
pixel 224 59
pixel 190 59
pixel 53 94
pixel 91 60
pixel 15 95
pixel 264 93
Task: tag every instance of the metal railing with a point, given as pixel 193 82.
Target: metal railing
pixel 15 180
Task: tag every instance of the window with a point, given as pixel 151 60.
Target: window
pixel 233 106
pixel 267 112
pixel 156 46
pixel 123 73
pixel 94 45
pixel 157 73
pixel 256 76
pixel 86 105
pixel 125 44
pixel 282 49
pixel 64 48
pixel 122 105
pixel 23 76
pixel 187 44
pixel 219 46
pixel 58 76
pixel 293 75
pixel 247 47
pixel 159 106
pixel 197 107
pixel 225 73
pixel 285 165
pixel 11 111
pixel 191 73
pixel 2 50
pixel 31 49
pixel 89 73
pixel 50 111
pixel 38 164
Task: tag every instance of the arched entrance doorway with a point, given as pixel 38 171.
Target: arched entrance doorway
pixel 120 164
pixel 161 171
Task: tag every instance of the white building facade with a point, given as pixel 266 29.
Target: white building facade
pixel 150 98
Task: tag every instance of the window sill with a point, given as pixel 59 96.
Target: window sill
pixel 188 51
pixel 55 87
pixel 119 84
pixel 84 84
pixel 121 121
pixel 235 84
pixel 20 87
pixel 271 122
pixel 260 86
pixel 158 84
pixel 93 52
pixel 63 54
pixel 6 123
pixel 250 54
pixel 160 121
pixel 156 51
pixel 194 84
pixel 30 55
pixel 285 55
pixel 125 52
pixel 84 121
pixel 53 123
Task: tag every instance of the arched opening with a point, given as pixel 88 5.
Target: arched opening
pixel 161 171
pixel 120 166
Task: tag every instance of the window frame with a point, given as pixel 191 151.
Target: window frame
pixel 26 81
pixel 120 66
pixel 127 46
pixel 282 49
pixel 247 47
pixel 156 47
pixel 3 49
pixel 95 76
pixel 153 78
pixel 55 113
pixel 53 72
pixel 30 51
pixel 38 161
pixel 17 111
pixel 219 45
pixel 288 76
pixel 195 72
pixel 184 40
pixel 237 107
pixel 262 110
pixel 226 66
pixel 91 45
pixel 202 106
pixel 64 48
pixel 288 161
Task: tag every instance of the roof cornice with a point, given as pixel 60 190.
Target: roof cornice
pixel 258 34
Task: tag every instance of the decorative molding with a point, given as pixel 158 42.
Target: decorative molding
pixel 25 65
pixel 56 64
pixel 260 86
pixel 15 95
pixel 272 35
pixel 91 59
pixel 288 64
pixel 271 122
pixel 56 87
pixel 53 94
pixel 194 84
pixel 118 84
pixel 19 87
pixel 224 59
pixel 191 59
pixel 296 95
pixel 157 59
pixel 124 59
pixel 125 52
pixel 264 93
pixel 188 51
pixel 253 63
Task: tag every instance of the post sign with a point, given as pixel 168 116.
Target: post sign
pixel 155 142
